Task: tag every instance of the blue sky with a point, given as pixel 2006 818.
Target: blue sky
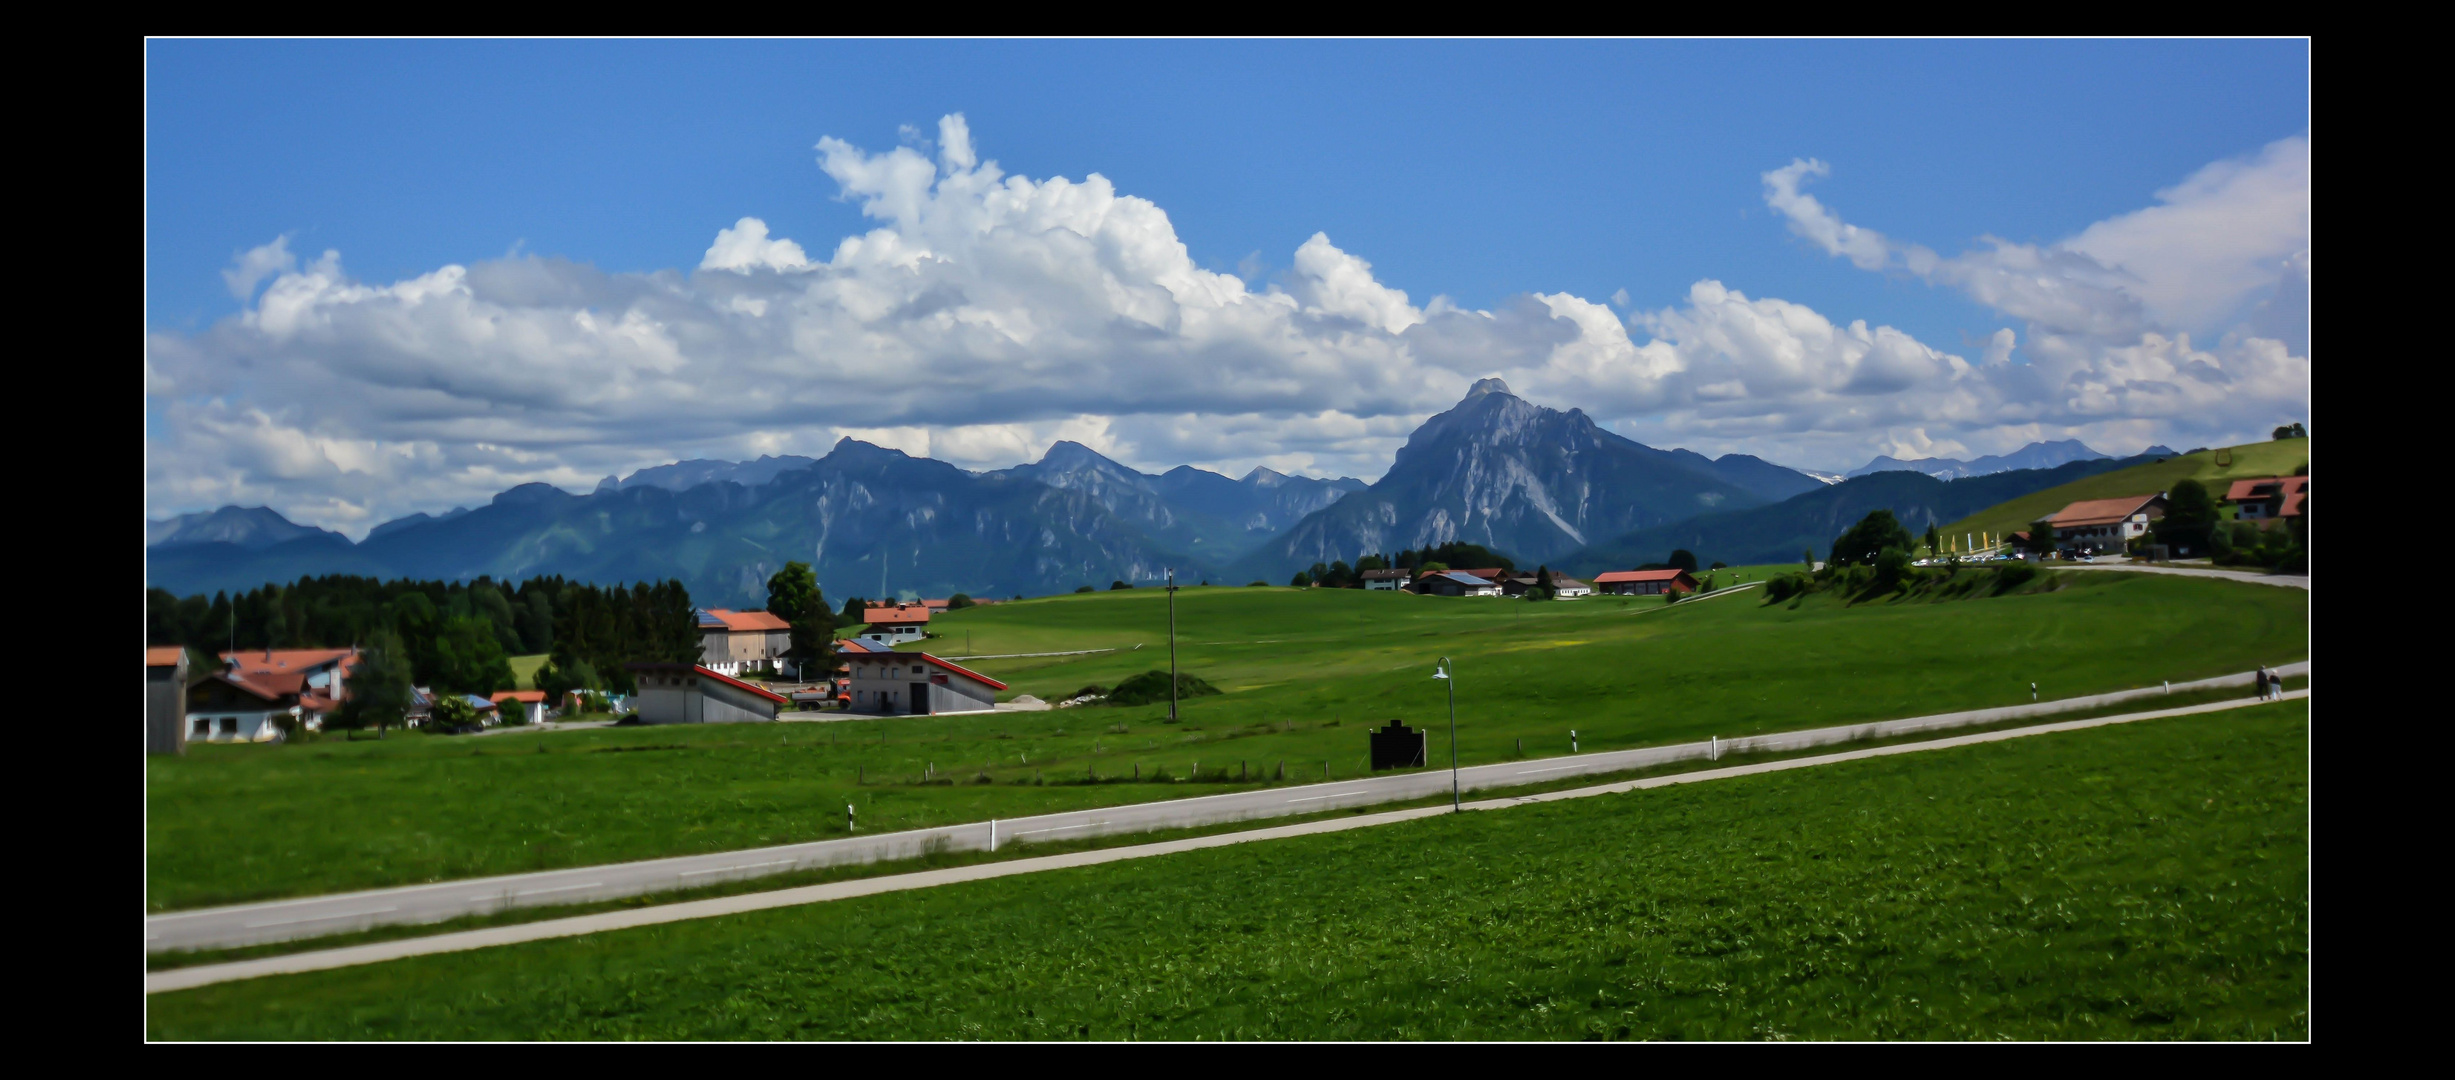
pixel 1483 172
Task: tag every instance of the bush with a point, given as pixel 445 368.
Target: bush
pixel 1082 588
pixel 1152 686
pixel 1251 584
pixel 1788 586
pixel 1093 690
pixel 2013 576
pixel 1116 585
pixel 958 602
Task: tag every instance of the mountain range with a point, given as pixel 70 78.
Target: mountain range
pixel 1537 483
pixel 2036 455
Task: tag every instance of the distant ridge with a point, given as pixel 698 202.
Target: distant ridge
pixel 2036 455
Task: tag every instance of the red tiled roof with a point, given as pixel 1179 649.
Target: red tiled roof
pixel 898 615
pixel 163 655
pixel 2101 511
pixel 2290 488
pixel 281 660
pixel 749 620
pixel 532 697
pixel 1616 576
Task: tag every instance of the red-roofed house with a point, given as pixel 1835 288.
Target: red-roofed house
pixel 737 641
pixel 1644 582
pixel 2109 525
pixel 255 692
pixel 531 703
pixel 918 684
pixel 698 694
pixel 2274 498
pixel 897 622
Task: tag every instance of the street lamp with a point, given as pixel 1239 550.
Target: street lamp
pixel 1442 672
pixel 1171 645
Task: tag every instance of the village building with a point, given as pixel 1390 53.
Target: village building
pixel 1644 582
pixel 2272 499
pixel 1456 583
pixel 1569 588
pixel 698 694
pixel 737 641
pixel 917 684
pixel 256 694
pixel 530 704
pixel 166 695
pixel 2109 525
pixel 897 622
pixel 1384 580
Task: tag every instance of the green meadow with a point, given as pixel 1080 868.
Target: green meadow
pixel 2141 881
pixel 1305 674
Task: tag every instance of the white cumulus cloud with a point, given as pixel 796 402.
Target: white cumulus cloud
pixel 983 316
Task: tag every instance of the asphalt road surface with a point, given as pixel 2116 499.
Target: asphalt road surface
pixel 316 916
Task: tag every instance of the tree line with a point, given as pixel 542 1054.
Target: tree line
pixel 455 636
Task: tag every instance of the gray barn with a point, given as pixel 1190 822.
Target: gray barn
pixel 691 694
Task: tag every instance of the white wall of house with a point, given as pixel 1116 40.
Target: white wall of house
pixel 684 698
pixel 237 726
pixel 885 685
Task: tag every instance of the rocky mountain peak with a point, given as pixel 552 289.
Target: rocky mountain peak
pixel 1487 386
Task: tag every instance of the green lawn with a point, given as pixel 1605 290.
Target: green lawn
pixel 2144 881
pixel 2277 458
pixel 1306 673
pixel 524 670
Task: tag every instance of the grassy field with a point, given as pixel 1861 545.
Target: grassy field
pixel 1306 673
pixel 524 670
pixel 2142 881
pixel 2278 458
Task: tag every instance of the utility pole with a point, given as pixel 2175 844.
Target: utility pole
pixel 1171 643
pixel 1443 671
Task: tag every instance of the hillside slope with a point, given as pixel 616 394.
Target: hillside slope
pixel 2277 458
pixel 1778 533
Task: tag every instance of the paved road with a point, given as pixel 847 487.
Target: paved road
pixel 603 922
pixel 2290 581
pixel 250 924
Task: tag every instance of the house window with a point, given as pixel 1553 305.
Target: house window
pixel 201 726
pixel 230 725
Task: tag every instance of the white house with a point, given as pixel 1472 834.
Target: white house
pixel 1384 580
pixel 897 622
pixel 917 684
pixel 530 704
pixel 698 694
pixel 256 692
pixel 1569 588
pixel 2107 525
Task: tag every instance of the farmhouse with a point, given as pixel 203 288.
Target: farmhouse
pixel 917 684
pixel 2105 524
pixel 737 641
pixel 1456 583
pixel 255 693
pixel 698 694
pixel 1645 582
pixel 1384 580
pixel 2275 498
pixel 1569 588
pixel 898 622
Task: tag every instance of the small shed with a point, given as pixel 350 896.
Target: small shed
pixel 1398 747
pixel 531 705
pixel 917 684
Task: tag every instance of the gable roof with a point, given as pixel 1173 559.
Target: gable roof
pixel 737 621
pixel 2102 511
pixel 2287 490
pixel 857 646
pixel 164 655
pixel 960 669
pixel 531 697
pixel 1462 577
pixel 277 661
pixel 708 673
pixel 898 615
pixel 1616 576
pixel 1384 575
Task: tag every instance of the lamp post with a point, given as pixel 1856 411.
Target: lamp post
pixel 1171 644
pixel 1442 671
